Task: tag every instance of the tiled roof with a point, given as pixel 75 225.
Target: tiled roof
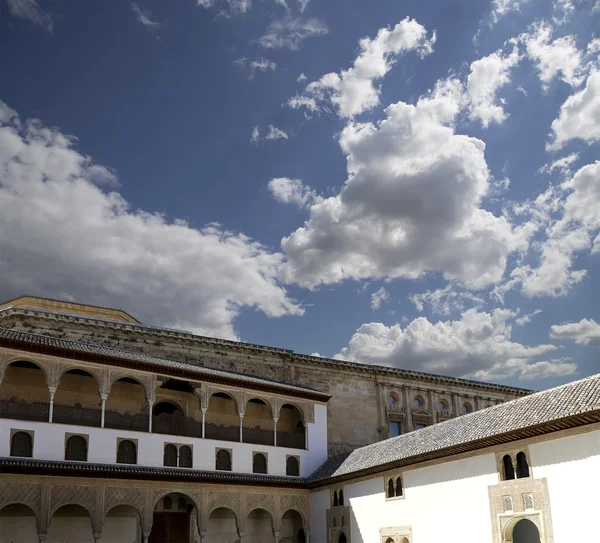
pixel 330 362
pixel 576 398
pixel 132 471
pixel 201 372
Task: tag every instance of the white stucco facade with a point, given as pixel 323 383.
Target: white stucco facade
pixel 49 444
pixel 450 500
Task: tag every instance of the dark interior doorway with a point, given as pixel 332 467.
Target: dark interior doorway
pixel 526 532
pixel 170 527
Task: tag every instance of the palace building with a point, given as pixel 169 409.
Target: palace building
pixel 116 431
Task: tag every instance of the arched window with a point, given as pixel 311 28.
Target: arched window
pixel 398 486
pixel 390 491
pixel 509 470
pixel 467 407
pixel 127 452
pixel 170 456
pixel 342 538
pixel 389 540
pixel 341 497
pixel 342 521
pixel 259 465
pixel 223 460
pixel 443 405
pixel 292 467
pixel 418 401
pixel 334 522
pixel 76 449
pixel 21 444
pixel 185 457
pixel 167 503
pixel 335 499
pixel 522 466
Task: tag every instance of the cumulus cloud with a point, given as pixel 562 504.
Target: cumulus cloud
pixel 501 7
pixel 487 76
pixel 290 31
pixel 579 116
pixel 410 204
pixel 30 10
pixel 584 332
pixel 445 301
pixel 379 297
pixel 287 191
pixel 477 345
pixel 352 91
pixel 260 64
pixel 546 369
pixel 62 233
pixel 144 17
pixel 561 165
pixel 553 57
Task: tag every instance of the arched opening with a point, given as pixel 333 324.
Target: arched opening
pixel 222 525
pixel 525 531
pixel 21 445
pixel 76 449
pixel 259 463
pixel 222 419
pixel 290 428
pixel 405 540
pixel 175 519
pixel 259 526
pixel 24 393
pixel 443 405
pixel 508 468
pixel 185 456
pixel 389 540
pixel 390 489
pixel 169 418
pixel 292 466
pixel 334 522
pixel 166 408
pixel 341 497
pixel 68 520
pixel 522 466
pixel 258 423
pixel 399 489
pixel 127 406
pixel 223 460
pixel 342 538
pixel 467 407
pixel 392 398
pixel 122 523
pixel 77 399
pixel 170 456
pixel 335 498
pixel 418 401
pixel 292 527
pixel 342 521
pixel 127 452
pixel 18 523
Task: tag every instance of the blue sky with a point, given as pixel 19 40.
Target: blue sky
pixel 412 184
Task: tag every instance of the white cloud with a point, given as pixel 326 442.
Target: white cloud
pixel 379 297
pixel 579 116
pixel 547 369
pixel 233 6
pixel 553 57
pixel 410 204
pixel 260 64
pixel 445 301
pixel 526 319
pixel 584 332
pixel 501 7
pixel 61 233
pixel 286 191
pixel 477 345
pixel 302 5
pixel 562 11
pixel 487 76
pixel 255 135
pixel 562 165
pixel 301 78
pixel 30 10
pixel 352 91
pixel 144 17
pixel 290 31
pixel 275 133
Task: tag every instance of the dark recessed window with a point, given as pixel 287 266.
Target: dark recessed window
pixel 259 464
pixel 76 449
pixel 21 444
pixel 292 466
pixel 223 460
pixel 185 456
pixel 127 452
pixel 170 456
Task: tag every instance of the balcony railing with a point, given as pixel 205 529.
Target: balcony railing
pixel 257 435
pixel 294 441
pixel 22 410
pixel 117 421
pixel 222 432
pixel 177 425
pixel 76 414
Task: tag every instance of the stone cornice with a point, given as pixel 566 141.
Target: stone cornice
pixel 286 354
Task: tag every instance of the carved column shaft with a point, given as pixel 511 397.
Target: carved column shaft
pixel 275 421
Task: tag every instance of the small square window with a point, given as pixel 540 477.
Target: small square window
pixel 395 428
pixel 420 426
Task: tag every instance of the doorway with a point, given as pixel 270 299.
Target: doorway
pixel 170 527
pixel 525 531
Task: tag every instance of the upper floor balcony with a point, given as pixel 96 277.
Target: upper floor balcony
pixel 210 406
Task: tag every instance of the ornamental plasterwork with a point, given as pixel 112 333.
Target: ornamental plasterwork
pixel 114 496
pixel 231 500
pixel 194 495
pixel 147 381
pixel 29 494
pixel 511 501
pixel 260 500
pixel 297 502
pixel 398 533
pixel 73 495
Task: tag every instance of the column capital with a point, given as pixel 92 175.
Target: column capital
pixel 275 420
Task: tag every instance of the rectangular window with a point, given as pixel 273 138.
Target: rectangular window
pixel 420 426
pixel 394 428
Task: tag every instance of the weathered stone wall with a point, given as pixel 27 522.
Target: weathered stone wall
pixel 358 412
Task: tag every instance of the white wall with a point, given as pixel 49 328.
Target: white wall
pixel 49 444
pixel 319 503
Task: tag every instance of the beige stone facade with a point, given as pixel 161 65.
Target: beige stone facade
pixel 365 391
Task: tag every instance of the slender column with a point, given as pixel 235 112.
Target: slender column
pixel 42 538
pixel 241 537
pixel 275 421
pixel 52 392
pixel 307 536
pixel 241 432
pixel 104 397
pixel 202 537
pixel 150 404
pixel 276 538
pixel 145 537
pixel 97 537
pixel 204 410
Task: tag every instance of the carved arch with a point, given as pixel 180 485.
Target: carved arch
pixel 514 520
pixel 42 364
pixel 116 496
pixel 28 494
pixel 266 399
pixel 237 397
